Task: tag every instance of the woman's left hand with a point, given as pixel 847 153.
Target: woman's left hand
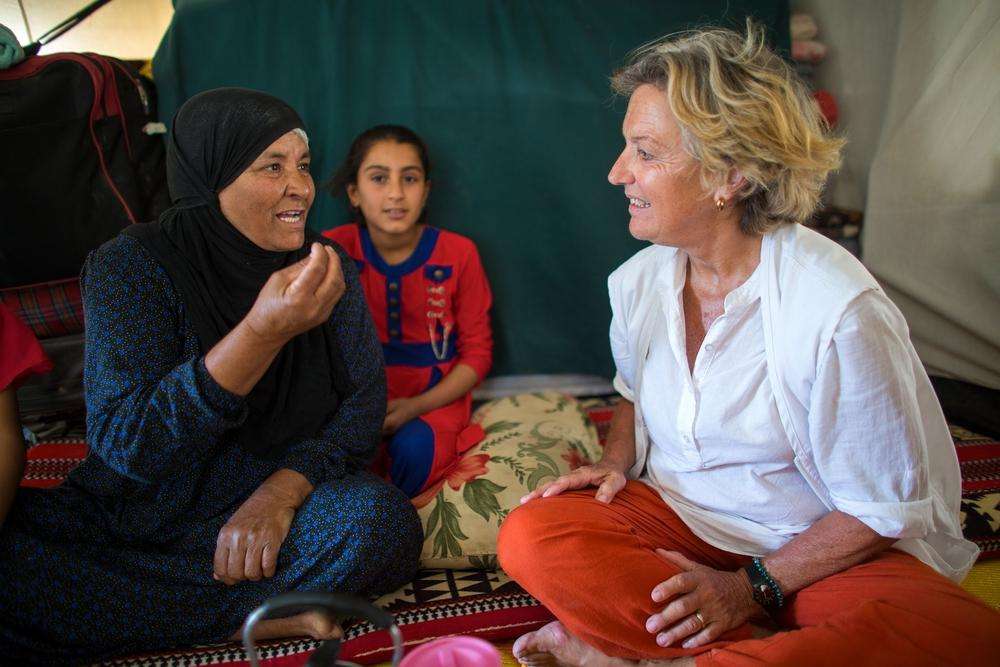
pixel 248 545
pixel 704 603
pixel 398 411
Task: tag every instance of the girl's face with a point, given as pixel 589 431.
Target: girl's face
pixel 391 187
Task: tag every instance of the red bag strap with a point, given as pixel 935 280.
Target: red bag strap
pixel 106 102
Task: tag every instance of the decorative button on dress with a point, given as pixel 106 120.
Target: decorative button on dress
pixel 431 313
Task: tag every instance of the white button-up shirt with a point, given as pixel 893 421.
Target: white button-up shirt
pixel 714 442
pixel 718 454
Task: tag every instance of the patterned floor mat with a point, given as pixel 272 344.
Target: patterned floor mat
pixel 474 602
pixel 437 603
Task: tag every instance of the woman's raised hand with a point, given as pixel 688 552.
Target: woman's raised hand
pixel 299 297
pixel 608 479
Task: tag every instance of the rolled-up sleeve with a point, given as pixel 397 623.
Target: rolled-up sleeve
pixel 865 422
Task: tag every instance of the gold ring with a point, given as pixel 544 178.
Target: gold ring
pixel 701 619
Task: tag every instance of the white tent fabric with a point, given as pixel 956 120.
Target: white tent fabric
pixel 932 224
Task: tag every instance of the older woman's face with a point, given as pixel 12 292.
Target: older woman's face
pixel 269 201
pixel 661 180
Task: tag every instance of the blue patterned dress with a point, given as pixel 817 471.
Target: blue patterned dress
pixel 119 558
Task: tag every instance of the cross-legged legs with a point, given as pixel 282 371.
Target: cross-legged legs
pixel 594 565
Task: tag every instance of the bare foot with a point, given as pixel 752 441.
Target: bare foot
pixel 314 624
pixel 554 646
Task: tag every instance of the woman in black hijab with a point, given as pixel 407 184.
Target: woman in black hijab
pixel 235 392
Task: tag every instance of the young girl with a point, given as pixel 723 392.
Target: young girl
pixel 20 356
pixel 429 298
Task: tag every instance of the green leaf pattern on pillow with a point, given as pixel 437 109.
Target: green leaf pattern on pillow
pixel 530 439
pixel 447 537
pixel 481 497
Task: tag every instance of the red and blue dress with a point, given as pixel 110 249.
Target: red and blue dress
pixel 432 313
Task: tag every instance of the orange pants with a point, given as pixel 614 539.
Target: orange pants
pixel 593 565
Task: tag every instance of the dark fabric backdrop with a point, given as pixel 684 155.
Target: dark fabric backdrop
pixel 512 98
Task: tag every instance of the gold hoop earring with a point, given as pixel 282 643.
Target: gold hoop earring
pixel 720 203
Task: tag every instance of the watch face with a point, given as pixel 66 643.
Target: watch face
pixel 764 593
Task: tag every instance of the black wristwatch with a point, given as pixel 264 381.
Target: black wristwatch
pixel 766 591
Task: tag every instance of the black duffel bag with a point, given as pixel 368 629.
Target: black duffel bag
pixel 82 157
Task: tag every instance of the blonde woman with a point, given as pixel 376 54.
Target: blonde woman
pixel 778 456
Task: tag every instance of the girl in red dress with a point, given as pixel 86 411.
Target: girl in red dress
pixel 429 298
pixel 20 356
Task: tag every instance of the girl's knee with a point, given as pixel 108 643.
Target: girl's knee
pixel 412 452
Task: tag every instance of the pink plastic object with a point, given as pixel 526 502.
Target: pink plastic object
pixel 453 652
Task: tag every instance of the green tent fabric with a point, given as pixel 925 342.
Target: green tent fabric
pixel 511 96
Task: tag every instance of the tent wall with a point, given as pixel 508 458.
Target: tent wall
pixel 932 234
pixel 127 29
pixel 917 85
pixel 861 36
pixel 514 102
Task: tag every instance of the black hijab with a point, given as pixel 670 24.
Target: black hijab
pixel 218 271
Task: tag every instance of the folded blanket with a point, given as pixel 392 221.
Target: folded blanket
pixel 11 52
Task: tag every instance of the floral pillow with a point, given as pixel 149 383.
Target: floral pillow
pixel 530 438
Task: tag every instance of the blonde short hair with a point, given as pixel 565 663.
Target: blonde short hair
pixel 740 105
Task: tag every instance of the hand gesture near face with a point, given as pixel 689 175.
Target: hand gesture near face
pixel 299 297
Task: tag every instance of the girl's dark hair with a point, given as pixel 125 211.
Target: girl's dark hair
pixel 348 171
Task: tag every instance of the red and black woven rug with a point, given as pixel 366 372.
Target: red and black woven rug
pixel 439 603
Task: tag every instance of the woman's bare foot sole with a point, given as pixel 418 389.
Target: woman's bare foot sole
pixel 314 624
